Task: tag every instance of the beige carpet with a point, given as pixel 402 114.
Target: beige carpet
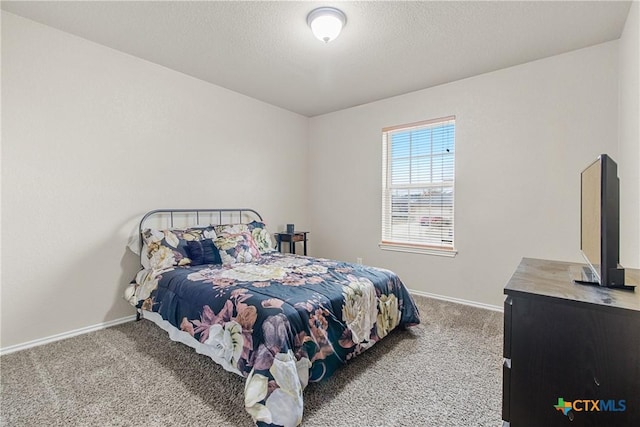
pixel 445 372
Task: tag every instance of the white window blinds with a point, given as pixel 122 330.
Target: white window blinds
pixel 418 163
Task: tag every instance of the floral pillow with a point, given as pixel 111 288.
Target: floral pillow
pixel 237 247
pixel 168 248
pixel 257 229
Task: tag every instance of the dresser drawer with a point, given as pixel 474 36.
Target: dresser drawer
pixel 506 390
pixel 508 306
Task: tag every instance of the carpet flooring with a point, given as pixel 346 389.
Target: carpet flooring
pixel 445 372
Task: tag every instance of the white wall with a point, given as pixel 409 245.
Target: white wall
pixel 629 146
pixel 523 135
pixel 91 139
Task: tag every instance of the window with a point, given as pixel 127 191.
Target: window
pixel 417 187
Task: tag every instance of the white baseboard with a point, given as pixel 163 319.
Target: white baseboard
pixel 64 335
pixel 458 300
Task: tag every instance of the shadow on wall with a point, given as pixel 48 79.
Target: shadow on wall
pixel 129 267
pixel 81 289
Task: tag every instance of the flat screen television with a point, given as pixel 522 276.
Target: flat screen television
pixel 600 224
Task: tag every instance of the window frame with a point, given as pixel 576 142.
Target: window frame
pixel 387 243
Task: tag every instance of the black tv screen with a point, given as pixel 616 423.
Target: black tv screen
pixel 600 222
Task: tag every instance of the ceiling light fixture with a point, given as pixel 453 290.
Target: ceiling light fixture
pixel 326 23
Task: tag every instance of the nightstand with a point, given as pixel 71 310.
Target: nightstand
pixel 292 238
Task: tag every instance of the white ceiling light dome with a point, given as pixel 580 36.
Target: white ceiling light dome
pixel 326 23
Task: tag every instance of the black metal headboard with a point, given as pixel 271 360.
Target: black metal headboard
pixel 191 217
pixel 214 216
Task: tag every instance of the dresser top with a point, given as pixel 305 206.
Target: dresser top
pixel 555 279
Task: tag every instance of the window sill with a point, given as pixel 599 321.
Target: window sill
pixel 418 250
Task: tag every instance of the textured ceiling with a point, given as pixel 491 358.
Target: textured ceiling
pixel 265 49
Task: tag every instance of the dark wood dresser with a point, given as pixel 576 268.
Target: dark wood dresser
pixel 571 352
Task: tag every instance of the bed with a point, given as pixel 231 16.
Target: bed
pixel 212 280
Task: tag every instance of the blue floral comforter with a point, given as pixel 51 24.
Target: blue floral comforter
pixel 281 321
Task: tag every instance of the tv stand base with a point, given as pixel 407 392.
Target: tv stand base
pixel 631 288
